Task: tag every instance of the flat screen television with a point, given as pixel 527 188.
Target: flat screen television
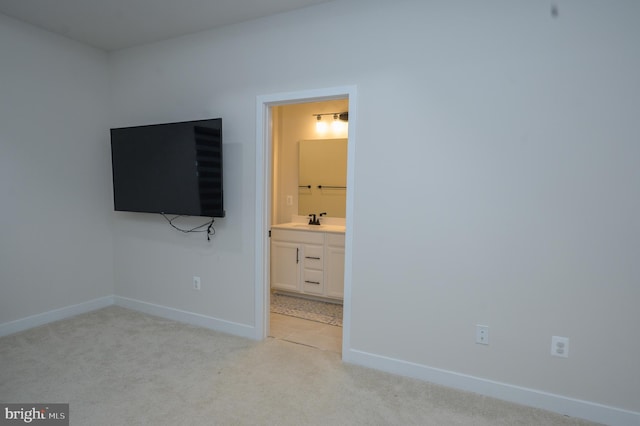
pixel 172 168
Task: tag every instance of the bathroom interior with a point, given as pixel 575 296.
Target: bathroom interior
pixel 309 169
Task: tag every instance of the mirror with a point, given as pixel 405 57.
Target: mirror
pixel 322 177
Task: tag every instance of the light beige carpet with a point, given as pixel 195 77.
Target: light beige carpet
pixel 119 367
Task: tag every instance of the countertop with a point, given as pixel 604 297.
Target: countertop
pixel 336 229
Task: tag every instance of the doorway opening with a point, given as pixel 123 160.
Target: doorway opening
pixel 268 211
pixel 309 167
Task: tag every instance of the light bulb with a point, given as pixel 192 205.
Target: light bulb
pixel 336 125
pixel 321 126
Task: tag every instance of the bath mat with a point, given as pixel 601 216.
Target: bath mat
pixel 325 312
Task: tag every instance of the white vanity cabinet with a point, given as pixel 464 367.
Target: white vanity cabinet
pixel 307 262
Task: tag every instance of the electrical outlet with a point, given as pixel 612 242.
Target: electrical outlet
pixel 196 283
pixel 289 200
pixel 560 346
pixel 482 334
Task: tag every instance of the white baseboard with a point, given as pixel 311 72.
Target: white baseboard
pixel 54 315
pixel 211 323
pixel 586 410
pixel 199 320
pixel 595 412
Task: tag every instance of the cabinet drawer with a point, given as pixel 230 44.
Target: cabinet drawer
pixel 307 237
pixel 312 282
pixel 313 257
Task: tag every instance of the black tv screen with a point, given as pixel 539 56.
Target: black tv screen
pixel 173 168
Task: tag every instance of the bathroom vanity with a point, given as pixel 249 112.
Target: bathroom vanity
pixel 308 259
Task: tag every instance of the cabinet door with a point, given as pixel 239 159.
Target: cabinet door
pixel 285 266
pixel 334 282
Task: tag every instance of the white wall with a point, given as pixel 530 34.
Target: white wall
pixel 55 188
pixel 505 141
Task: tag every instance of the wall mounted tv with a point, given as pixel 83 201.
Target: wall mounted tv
pixel 172 168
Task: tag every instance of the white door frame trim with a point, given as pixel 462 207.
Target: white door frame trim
pixel 263 198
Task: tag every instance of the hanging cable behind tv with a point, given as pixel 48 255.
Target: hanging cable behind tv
pixel 210 230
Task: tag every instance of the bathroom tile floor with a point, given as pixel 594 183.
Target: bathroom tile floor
pixel 310 333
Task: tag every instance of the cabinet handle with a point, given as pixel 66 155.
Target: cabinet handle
pixel 311 257
pixel 297 253
pixel 312 282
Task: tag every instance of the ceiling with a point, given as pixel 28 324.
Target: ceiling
pixel 117 24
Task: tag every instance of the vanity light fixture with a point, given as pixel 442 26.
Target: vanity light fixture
pixel 342 116
pixel 337 124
